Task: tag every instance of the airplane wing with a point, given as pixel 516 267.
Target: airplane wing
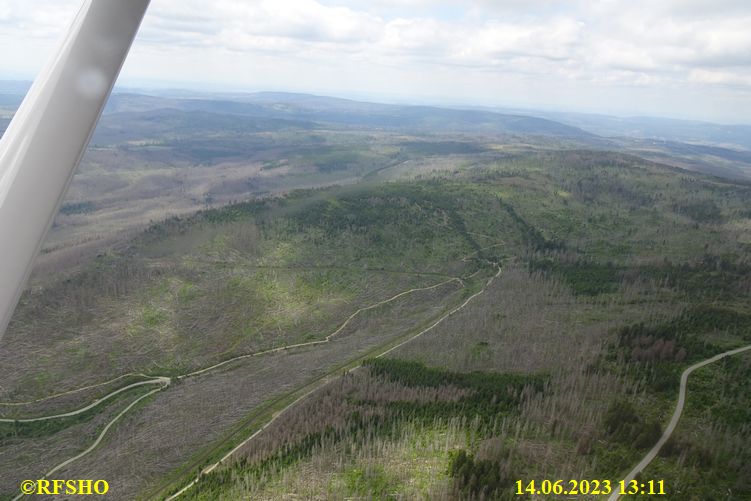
pixel 46 139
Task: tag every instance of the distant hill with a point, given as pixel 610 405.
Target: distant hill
pixel 162 122
pixel 703 152
pixel 663 129
pixel 309 108
pixel 722 150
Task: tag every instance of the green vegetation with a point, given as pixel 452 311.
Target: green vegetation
pixel 623 424
pixel 373 483
pixel 704 211
pixel 623 237
pixel 619 241
pixel 478 478
pixel 662 350
pixel 587 278
pixel 490 395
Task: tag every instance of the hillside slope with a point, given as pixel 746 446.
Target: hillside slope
pixel 615 274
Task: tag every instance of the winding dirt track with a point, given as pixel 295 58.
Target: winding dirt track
pixel 99 438
pixel 165 381
pixel 676 416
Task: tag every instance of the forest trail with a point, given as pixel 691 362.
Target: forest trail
pixel 676 417
pixel 166 381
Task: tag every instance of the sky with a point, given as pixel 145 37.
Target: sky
pixel 672 58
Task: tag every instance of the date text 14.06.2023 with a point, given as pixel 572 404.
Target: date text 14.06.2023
pixel 585 487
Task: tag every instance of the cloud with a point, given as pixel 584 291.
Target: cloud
pixel 671 44
pixel 721 77
pixel 303 20
pixel 42 20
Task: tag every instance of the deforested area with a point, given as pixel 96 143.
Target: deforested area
pixel 595 348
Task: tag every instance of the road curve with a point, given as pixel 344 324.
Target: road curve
pixel 164 381
pixel 76 390
pixel 676 416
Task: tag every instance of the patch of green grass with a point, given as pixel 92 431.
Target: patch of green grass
pixel 371 482
pixel 153 317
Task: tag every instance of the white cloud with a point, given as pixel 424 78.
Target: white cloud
pixel 721 77
pixel 417 35
pixel 684 47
